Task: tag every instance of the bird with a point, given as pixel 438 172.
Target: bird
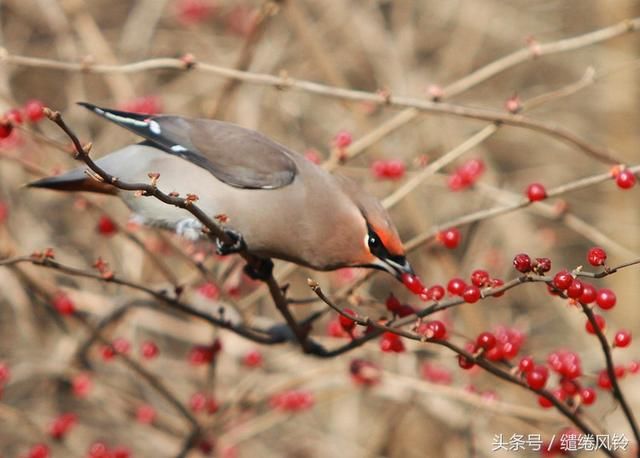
pixel 276 202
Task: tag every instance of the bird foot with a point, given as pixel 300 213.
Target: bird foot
pixel 262 271
pixel 237 243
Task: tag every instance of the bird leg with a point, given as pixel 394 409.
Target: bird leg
pixel 261 270
pixel 236 245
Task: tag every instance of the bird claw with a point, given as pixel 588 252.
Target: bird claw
pixel 237 243
pixel 262 271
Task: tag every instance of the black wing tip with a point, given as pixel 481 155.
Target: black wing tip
pixel 104 112
pixel 89 106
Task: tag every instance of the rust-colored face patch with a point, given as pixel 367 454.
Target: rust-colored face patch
pixel 390 240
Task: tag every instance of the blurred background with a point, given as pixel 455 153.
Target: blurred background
pixel 64 389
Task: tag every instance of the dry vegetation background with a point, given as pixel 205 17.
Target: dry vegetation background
pixel 403 47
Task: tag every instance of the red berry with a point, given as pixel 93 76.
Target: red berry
pixel 99 450
pixel 39 451
pixel 456 182
pixel 209 290
pixel 145 414
pixel 149 349
pixel 121 345
pixel 212 406
pixel 190 12
pixel 148 105
pixel 625 179
pixel 562 280
pixel 435 329
pixel 574 291
pixel 634 367
pixel 522 263
pixel 471 170
pixel 62 424
pixel 622 338
pixel 556 393
pixel 413 283
pixel 604 381
pixel 569 387
pixel 588 293
pixel 63 304
pixel 449 237
pixel 14 116
pixel 471 294
pixel 5 373
pixel 342 139
pixel 435 293
pixel 391 342
pixel 253 358
pixel 33 110
pixel 486 340
pixel 465 363
pixel 106 226
pixel 393 304
pixel 480 278
pixel 202 354
pixel 495 354
pixel 599 321
pixel 526 364
pixel 537 377
pixel 107 352
pixel 121 452
pixel 5 129
pixel 81 385
pixel 347 323
pixel 542 265
pixel 456 286
pixel 495 284
pixel 4 212
pixel 606 298
pixel 390 169
pixel 588 396
pixel 536 192
pixel 596 256
pixel 198 401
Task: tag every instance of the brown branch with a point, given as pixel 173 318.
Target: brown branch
pixel 256 335
pixel 285 82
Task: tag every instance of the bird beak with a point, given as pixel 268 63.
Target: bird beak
pixel 396 267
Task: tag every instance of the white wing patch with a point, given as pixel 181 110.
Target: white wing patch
pixel 178 149
pixel 122 119
pixel 154 127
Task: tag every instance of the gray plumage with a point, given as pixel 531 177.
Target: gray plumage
pixel 284 205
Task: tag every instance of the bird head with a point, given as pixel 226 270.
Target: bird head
pixel 382 244
pixel 385 251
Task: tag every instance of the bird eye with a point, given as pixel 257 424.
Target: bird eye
pixel 374 242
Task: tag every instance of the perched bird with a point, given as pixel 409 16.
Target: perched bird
pixel 278 203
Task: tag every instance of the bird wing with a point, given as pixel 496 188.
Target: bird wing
pixel 237 156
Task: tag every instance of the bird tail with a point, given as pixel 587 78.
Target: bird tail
pixel 74 180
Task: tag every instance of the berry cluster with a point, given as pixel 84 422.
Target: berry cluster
pixel 292 401
pixel 202 403
pixel 32 111
pixel 200 355
pixel 466 175
pixel 390 169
